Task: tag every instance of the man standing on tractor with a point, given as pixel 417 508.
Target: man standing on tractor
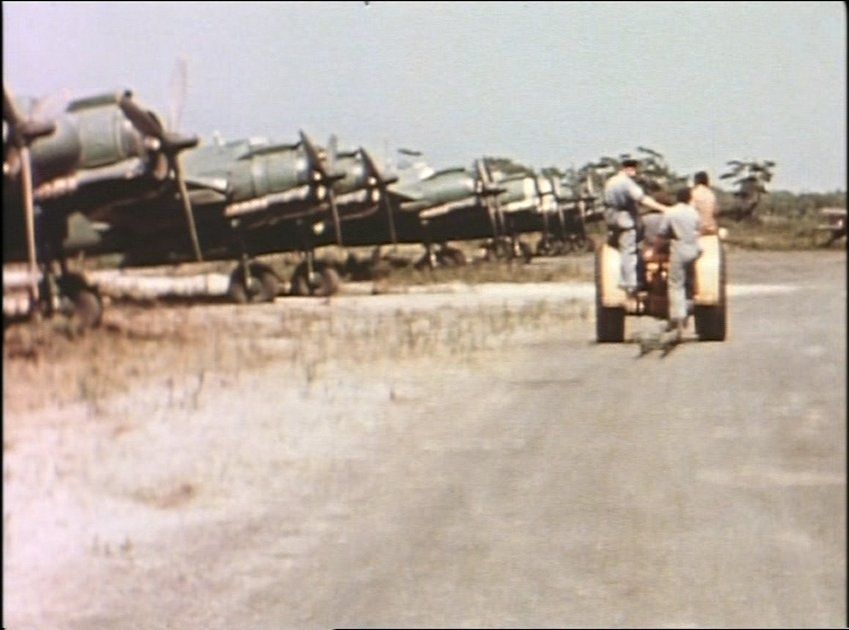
pixel 681 225
pixel 704 201
pixel 622 197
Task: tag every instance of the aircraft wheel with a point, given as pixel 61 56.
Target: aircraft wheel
pixel 327 282
pixel 324 282
pixel 269 286
pixel 88 309
pixel 300 283
pixel 425 262
pixel 451 257
pixel 559 248
pixel 490 253
pixel 80 301
pixel 262 286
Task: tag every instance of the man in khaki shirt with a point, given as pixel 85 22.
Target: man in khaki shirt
pixel 704 201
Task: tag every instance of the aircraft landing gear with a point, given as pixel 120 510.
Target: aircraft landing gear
pixel 311 277
pixel 507 248
pixel 444 256
pixel 71 296
pixel 253 283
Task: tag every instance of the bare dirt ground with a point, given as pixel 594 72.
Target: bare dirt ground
pixel 454 457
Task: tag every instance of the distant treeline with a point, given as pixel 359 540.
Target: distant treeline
pixel 788 204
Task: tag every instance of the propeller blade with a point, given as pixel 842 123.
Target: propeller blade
pixel 371 165
pixel 177 93
pixel 170 145
pixel 384 195
pixel 334 211
pixel 144 121
pixel 10 112
pixel 489 199
pixel 29 219
pixel 313 155
pixel 173 143
pixel 332 150
pixel 187 206
pixel 23 131
pixel 147 124
pixel 316 164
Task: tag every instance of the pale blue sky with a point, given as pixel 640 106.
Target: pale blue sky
pixel 544 83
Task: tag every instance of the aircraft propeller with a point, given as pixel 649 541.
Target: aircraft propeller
pixel 22 133
pixel 382 184
pixel 490 193
pixel 169 145
pixel 323 177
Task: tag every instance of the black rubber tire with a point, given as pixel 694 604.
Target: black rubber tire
pixel 269 286
pixel 451 257
pixel 711 321
pixel 609 322
pixel 328 282
pixel 526 251
pixel 300 285
pixel 88 309
pixel 265 285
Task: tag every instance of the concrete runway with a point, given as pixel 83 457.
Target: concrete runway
pixel 558 483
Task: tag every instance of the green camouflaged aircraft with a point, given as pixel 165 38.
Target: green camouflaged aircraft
pixel 99 153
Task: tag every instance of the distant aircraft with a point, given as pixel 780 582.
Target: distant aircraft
pixel 575 206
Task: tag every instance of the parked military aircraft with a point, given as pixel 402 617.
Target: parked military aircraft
pixel 496 200
pixel 94 157
pixel 248 197
pixel 252 197
pixel 415 204
pixel 575 205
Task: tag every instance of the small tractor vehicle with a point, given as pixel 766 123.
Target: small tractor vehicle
pixel 706 293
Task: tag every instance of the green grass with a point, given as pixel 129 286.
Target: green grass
pixel 773 232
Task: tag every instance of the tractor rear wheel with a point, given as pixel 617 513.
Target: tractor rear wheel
pixel 609 321
pixel 711 320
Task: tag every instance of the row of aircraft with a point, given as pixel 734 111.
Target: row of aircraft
pixel 107 177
